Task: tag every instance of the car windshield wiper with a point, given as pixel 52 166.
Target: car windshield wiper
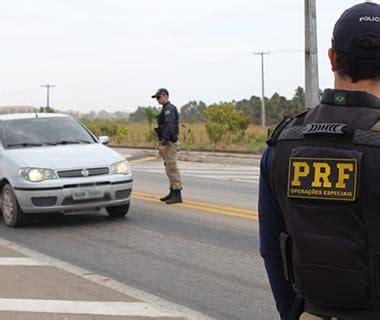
pixel 68 142
pixel 24 144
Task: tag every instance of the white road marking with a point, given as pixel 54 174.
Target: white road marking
pixel 138 309
pixel 247 174
pixel 10 261
pixel 162 305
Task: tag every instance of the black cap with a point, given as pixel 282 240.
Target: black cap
pixel 354 24
pixel 160 92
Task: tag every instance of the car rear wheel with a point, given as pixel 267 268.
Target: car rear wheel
pixel 118 211
pixel 12 214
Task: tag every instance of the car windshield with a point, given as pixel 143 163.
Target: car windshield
pixel 35 132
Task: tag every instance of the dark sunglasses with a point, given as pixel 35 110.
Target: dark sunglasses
pixel 158 97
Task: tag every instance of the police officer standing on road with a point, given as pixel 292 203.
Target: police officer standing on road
pixel 319 198
pixel 167 133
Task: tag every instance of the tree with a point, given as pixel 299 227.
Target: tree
pixel 108 128
pixel 297 104
pixel 47 110
pixel 216 132
pixel 223 120
pixel 139 115
pixel 192 112
pixel 251 108
pixel 150 115
pixel 277 108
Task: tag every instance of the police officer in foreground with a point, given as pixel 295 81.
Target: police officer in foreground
pixel 167 133
pixel 319 198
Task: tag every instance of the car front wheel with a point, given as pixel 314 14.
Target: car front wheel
pixel 118 211
pixel 12 214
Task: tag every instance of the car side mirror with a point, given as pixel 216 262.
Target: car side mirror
pixel 104 139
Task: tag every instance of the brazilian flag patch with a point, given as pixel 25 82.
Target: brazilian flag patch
pixel 340 98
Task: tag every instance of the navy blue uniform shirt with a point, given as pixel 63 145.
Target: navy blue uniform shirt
pixel 271 224
pixel 168 124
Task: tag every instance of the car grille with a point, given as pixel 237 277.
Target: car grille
pixel 82 185
pixel 44 201
pixel 123 194
pixel 79 172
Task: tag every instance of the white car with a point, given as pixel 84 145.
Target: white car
pixel 52 163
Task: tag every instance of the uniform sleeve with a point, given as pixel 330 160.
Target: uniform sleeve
pixel 169 125
pixel 271 224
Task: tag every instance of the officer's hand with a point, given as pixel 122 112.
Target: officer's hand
pixel 161 150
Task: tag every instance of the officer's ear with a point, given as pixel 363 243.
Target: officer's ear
pixel 332 57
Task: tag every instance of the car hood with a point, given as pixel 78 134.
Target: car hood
pixel 65 156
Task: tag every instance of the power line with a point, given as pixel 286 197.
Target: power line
pixel 286 51
pixel 47 86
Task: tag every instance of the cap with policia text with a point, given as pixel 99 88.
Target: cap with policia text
pixel 358 23
pixel 160 92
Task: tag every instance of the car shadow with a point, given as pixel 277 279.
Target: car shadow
pixel 70 220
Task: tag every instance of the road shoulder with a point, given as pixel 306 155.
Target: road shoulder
pixel 36 286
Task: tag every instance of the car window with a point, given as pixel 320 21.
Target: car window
pixel 43 131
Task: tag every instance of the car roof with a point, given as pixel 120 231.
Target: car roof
pixel 18 116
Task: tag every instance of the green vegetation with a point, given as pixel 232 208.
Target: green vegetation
pixel 222 126
pixel 223 121
pixel 150 115
pixel 192 136
pixel 47 110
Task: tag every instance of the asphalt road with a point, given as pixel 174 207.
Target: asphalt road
pixel 207 262
pixel 230 185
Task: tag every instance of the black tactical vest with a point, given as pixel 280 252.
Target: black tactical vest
pixel 173 123
pixel 325 172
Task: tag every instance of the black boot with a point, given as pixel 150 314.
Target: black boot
pixel 167 196
pixel 176 197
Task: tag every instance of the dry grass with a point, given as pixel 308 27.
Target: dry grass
pixel 192 136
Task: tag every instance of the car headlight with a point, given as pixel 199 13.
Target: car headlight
pixel 121 167
pixel 37 174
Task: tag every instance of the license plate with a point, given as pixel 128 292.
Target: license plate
pixel 87 194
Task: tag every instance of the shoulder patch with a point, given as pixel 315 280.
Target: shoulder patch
pixel 340 98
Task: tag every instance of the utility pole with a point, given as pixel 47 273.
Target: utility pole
pixel 263 116
pixel 47 86
pixel 311 56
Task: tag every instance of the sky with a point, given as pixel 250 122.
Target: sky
pixel 114 54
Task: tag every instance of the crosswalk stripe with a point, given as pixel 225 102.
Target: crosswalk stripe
pixel 208 173
pixel 137 309
pixel 149 307
pixel 246 174
pixel 10 261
